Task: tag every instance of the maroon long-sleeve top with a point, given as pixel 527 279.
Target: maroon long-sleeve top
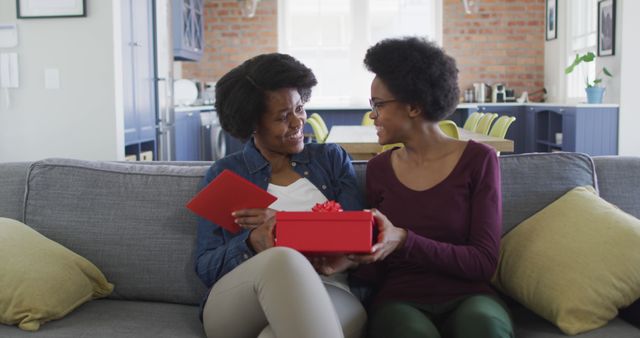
pixel 454 229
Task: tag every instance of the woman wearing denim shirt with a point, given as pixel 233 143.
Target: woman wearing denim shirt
pixel 256 290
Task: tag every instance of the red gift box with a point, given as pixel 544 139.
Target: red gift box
pixel 325 232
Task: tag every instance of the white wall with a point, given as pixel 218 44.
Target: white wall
pixel 554 59
pixel 623 65
pixel 79 120
pixel 629 75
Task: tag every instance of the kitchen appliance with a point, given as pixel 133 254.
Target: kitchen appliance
pixel 498 93
pixel 214 144
pixel 165 114
pixel 481 91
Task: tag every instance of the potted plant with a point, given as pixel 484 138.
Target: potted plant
pixel 593 89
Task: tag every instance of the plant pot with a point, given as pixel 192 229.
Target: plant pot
pixel 594 94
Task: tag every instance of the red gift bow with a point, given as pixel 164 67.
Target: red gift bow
pixel 328 206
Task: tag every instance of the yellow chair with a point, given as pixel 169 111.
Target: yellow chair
pixel 485 123
pixel 449 128
pixel 318 132
pixel 366 120
pixel 323 125
pixel 472 121
pixel 501 126
pixel 391 146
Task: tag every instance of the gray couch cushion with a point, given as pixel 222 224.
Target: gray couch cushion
pixel 128 220
pixel 532 181
pixel 115 318
pixel 619 181
pixel 529 325
pixel 12 185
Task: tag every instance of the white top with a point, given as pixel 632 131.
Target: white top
pixel 302 195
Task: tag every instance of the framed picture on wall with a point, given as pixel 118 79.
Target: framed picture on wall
pixel 606 27
pixel 551 19
pixel 34 9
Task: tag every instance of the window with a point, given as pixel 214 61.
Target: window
pixel 582 32
pixel 332 36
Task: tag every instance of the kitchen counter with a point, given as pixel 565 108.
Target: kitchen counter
pixel 185 109
pixel 474 105
pixel 538 104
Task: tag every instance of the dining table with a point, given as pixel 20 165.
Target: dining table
pixel 361 142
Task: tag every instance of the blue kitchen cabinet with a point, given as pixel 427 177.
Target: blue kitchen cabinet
pixel 188 134
pixel 583 128
pixel 549 123
pixel 188 29
pixel 591 130
pixel 138 77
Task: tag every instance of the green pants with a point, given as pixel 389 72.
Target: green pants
pixel 478 316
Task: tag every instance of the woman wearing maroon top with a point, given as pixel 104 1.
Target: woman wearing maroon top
pixel 437 201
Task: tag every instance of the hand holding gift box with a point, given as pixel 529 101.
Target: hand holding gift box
pixel 326 229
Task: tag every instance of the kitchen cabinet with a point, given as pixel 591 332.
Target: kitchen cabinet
pixel 188 135
pixel 188 29
pixel 583 128
pixel 591 129
pixel 138 67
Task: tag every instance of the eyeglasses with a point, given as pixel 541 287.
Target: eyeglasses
pixel 375 105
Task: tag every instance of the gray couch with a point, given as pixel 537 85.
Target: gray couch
pixel 130 220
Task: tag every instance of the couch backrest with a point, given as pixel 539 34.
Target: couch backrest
pixel 129 220
pixel 12 187
pixel 619 181
pixel 532 181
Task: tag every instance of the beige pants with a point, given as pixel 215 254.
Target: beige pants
pixel 277 293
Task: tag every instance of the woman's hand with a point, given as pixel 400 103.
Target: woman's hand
pixel 390 238
pixel 329 265
pixel 261 223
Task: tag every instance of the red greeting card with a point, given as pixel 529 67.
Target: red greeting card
pixel 228 192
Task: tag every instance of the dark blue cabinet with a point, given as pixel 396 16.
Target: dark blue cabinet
pixel 590 129
pixel 188 29
pixel 188 133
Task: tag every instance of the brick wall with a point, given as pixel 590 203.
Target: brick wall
pixel 503 42
pixel 231 38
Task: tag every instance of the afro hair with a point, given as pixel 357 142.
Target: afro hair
pixel 417 72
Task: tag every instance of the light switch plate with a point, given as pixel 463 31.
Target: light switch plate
pixel 9 70
pixel 8 35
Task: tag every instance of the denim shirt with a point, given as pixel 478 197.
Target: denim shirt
pixel 327 166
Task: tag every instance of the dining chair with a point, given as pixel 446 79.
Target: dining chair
pixel 391 146
pixel 318 132
pixel 485 123
pixel 366 120
pixel 501 126
pixel 449 128
pixel 472 121
pixel 323 125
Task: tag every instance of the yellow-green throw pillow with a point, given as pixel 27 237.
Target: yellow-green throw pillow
pixel 41 280
pixel 575 262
